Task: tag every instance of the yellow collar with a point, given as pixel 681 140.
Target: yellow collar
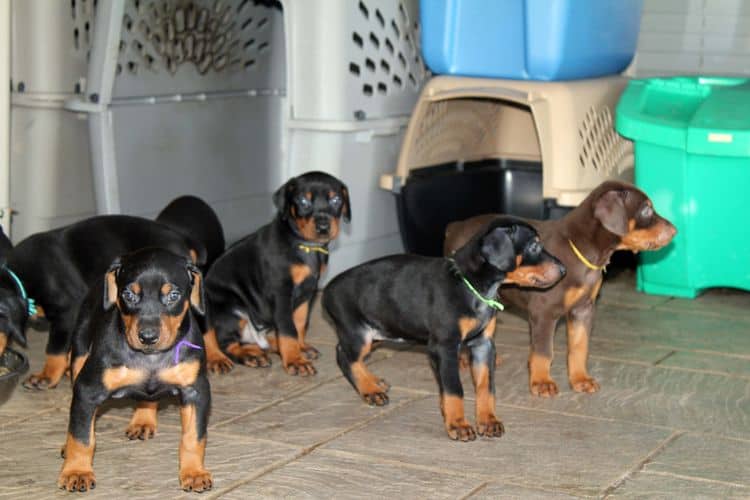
pixel 311 248
pixel 586 261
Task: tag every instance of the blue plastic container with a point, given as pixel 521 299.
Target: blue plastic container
pixel 529 39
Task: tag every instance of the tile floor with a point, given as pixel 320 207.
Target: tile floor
pixel 672 420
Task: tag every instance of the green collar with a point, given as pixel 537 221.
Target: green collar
pixel 30 305
pixel 489 302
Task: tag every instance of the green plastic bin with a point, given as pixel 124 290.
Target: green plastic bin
pixel 692 156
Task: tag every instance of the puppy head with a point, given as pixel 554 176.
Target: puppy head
pixel 314 203
pixel 152 290
pixel 625 211
pixel 513 247
pixel 13 316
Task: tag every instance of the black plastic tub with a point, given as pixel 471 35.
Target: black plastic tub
pixel 433 197
pixel 13 364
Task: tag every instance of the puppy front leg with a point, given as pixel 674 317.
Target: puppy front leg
pixel 483 373
pixel 444 362
pixel 580 320
pixel 77 472
pixel 540 359
pixel 287 322
pixel 195 403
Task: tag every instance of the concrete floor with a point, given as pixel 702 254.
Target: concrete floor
pixel 672 420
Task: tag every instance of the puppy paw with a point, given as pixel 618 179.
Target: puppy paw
pixel 376 398
pixel 142 431
pixel 76 480
pixel 41 382
pixel 584 384
pixel 490 427
pixel 544 388
pixel 309 352
pixel 256 361
pixel 301 367
pixel 219 363
pixel 198 480
pixel 461 431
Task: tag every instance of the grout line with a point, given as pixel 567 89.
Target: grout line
pixel 28 416
pixel 308 450
pixel 475 490
pixel 698 479
pixel 665 357
pixel 638 467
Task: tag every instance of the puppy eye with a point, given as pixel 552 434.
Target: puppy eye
pixel 534 247
pixel 647 212
pixel 129 297
pixel 304 203
pixel 173 296
pixel 335 202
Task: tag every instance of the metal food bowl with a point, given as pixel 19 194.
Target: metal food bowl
pixel 13 364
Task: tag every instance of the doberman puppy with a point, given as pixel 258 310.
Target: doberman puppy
pixel 267 281
pixel 194 218
pixel 57 267
pixel 14 303
pixel 137 337
pixel 443 303
pixel 614 216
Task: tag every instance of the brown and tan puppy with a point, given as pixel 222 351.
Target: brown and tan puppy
pixel 615 216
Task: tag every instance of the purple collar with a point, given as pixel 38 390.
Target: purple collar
pixel 181 343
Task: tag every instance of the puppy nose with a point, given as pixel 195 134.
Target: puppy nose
pixel 322 224
pixel 148 336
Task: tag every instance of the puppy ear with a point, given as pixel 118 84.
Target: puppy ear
pixel 281 197
pixel 346 212
pixel 609 209
pixel 110 284
pixel 197 295
pixel 497 249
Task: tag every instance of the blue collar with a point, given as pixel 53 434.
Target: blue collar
pixel 30 304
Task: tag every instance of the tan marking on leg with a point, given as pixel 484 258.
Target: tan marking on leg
pixel 572 296
pixel 456 424
pixel 249 354
pixel 3 342
pixel 467 325
pixel 299 317
pixel 292 359
pixel 193 474
pixel 299 273
pixel 51 374
pixel 540 381
pixel 182 374
pixel 578 352
pixel 595 290
pixel 122 376
pixel 216 361
pixel 143 422
pixel 489 329
pixel 193 256
pixel 77 472
pixel 77 366
pixel 487 422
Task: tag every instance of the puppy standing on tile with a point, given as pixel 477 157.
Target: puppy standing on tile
pixel 267 281
pixel 442 303
pixel 137 337
pixel 614 216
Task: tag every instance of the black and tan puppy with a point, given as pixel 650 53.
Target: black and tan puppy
pixel 443 303
pixel 267 281
pixel 137 337
pixel 14 303
pixel 614 216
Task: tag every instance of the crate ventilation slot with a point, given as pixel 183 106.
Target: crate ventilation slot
pixel 392 39
pixel 212 36
pixel 602 149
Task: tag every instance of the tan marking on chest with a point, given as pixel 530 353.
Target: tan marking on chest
pixel 122 376
pixel 299 273
pixel 466 325
pixel 181 374
pixel 489 330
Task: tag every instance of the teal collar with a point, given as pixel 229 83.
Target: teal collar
pixel 29 302
pixel 489 302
